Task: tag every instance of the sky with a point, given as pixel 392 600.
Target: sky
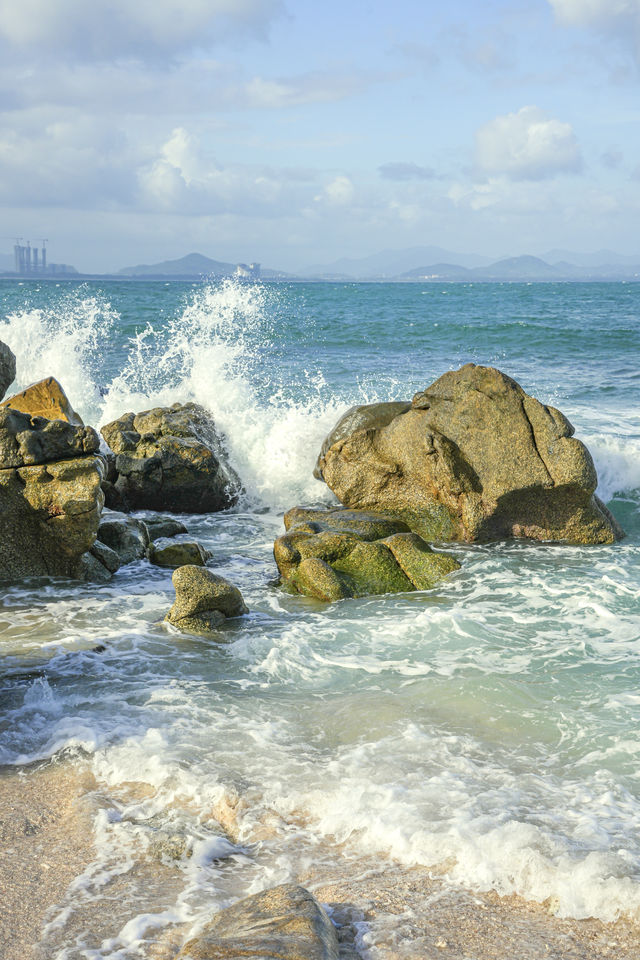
pixel 293 132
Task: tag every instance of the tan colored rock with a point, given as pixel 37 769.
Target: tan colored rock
pixel 171 458
pixel 284 923
pixel 178 553
pixel 44 399
pixel 335 554
pixel 474 458
pixel 49 516
pixel 203 600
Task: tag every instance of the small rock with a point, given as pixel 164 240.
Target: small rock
pixel 203 600
pixel 159 527
pixel 107 557
pixel 127 536
pixel 179 554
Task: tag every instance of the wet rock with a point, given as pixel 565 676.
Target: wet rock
pixel 7 368
pixel 166 553
pixel 473 458
pixel 284 923
pixel 203 600
pixel 27 441
pixel 172 458
pixel 49 516
pixel 128 537
pixel 160 527
pixel 44 399
pixel 335 554
pixel 106 556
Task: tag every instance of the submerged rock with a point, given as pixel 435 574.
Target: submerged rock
pixel 160 527
pixel 284 923
pixel 128 537
pixel 50 496
pixel 335 554
pixel 172 458
pixel 44 399
pixel 178 554
pixel 7 368
pixel 472 458
pixel 203 600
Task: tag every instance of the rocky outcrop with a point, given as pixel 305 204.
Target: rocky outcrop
pixel 335 554
pixel 203 600
pixel 171 458
pixel 473 458
pixel 50 496
pixel 7 368
pixel 178 553
pixel 284 923
pixel 126 536
pixel 44 399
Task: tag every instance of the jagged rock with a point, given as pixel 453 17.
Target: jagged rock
pixel 27 441
pixel 335 554
pixel 106 556
pixel 203 600
pixel 126 536
pixel 44 399
pixel 7 368
pixel 473 458
pixel 160 527
pixel 172 458
pixel 284 923
pixel 49 516
pixel 178 554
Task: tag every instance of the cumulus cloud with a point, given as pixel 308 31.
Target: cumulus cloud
pixel 405 171
pixel 527 145
pixel 115 29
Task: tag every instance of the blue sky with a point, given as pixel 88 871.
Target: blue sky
pixel 298 133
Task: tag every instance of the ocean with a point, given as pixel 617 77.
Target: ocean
pixel 487 729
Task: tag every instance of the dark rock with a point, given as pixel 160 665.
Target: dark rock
pixel 203 600
pixel 28 441
pixel 7 368
pixel 284 923
pixel 106 556
pixel 172 458
pixel 474 458
pixel 177 554
pixel 126 536
pixel 335 554
pixel 160 527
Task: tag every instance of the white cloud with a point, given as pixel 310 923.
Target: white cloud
pixel 527 145
pixel 619 19
pixel 113 29
pixel 338 192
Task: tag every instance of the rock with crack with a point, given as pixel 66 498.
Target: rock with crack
pixel 7 368
pixel 171 458
pixel 203 601
pixel 335 554
pixel 473 458
pixel 50 496
pixel 284 923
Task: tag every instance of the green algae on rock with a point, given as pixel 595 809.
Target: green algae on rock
pixel 335 554
pixel 203 601
pixel 473 458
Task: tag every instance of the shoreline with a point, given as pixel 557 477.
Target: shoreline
pixel 388 912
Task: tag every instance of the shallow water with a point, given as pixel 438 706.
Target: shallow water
pixel 488 726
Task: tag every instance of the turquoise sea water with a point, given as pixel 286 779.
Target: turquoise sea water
pixel 490 725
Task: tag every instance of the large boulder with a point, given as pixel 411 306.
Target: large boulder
pixel 284 923
pixel 203 600
pixel 50 496
pixel 171 458
pixel 7 368
pixel 335 554
pixel 474 458
pixel 46 398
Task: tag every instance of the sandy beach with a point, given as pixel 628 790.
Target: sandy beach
pixel 386 911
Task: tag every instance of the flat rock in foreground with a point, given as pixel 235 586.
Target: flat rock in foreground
pixel 171 458
pixel 336 554
pixel 284 923
pixel 473 458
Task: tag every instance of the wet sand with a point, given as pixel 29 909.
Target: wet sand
pixel 384 912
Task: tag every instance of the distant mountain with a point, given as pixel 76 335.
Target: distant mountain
pixel 520 268
pixel 439 271
pixel 193 265
pixel 392 263
pixel 598 259
pixel 524 268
